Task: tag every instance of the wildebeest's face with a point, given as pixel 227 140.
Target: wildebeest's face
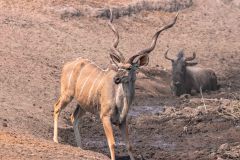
pixel 178 74
pixel 179 65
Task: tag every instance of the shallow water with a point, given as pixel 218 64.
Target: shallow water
pixel 160 143
pixel 145 110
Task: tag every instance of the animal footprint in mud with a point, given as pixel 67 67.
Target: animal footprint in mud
pixel 4 124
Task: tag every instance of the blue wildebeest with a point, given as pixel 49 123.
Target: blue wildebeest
pixel 186 76
pixel 108 93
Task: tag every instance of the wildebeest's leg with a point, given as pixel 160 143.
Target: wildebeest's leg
pixel 109 134
pixel 214 85
pixel 79 112
pixel 124 130
pixel 58 107
pixel 188 91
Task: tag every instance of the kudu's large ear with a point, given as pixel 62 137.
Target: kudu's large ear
pixel 115 59
pixel 142 61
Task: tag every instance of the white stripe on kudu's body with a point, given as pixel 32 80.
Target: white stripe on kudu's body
pixel 90 91
pixel 89 63
pixel 85 82
pixel 111 90
pixel 99 84
pixel 70 77
pixel 95 98
pixel 79 76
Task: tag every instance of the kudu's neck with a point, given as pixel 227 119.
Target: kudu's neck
pixel 127 85
pixel 125 94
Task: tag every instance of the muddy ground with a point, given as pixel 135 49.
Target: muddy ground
pixel 38 37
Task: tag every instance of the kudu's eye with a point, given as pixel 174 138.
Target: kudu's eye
pixel 117 80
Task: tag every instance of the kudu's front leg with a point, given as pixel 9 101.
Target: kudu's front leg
pixel 107 125
pixel 124 130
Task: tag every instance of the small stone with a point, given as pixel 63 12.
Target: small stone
pixel 212 156
pixel 169 110
pixel 185 96
pixel 224 147
pixel 5 125
pixel 202 109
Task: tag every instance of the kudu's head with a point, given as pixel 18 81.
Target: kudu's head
pixel 179 65
pixel 126 69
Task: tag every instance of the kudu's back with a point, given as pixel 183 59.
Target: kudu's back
pixel 84 80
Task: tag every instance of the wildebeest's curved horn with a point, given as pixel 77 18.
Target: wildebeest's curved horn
pixel 166 56
pixel 113 48
pixel 146 51
pixel 191 58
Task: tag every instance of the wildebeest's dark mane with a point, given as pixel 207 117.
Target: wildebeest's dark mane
pixel 180 54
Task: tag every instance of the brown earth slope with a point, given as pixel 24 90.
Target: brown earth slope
pixel 36 40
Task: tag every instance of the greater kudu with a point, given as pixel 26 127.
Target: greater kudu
pixel 108 92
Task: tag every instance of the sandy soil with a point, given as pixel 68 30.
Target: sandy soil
pixel 36 41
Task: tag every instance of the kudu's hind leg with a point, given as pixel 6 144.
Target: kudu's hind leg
pixel 58 107
pixel 79 112
pixel 124 131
